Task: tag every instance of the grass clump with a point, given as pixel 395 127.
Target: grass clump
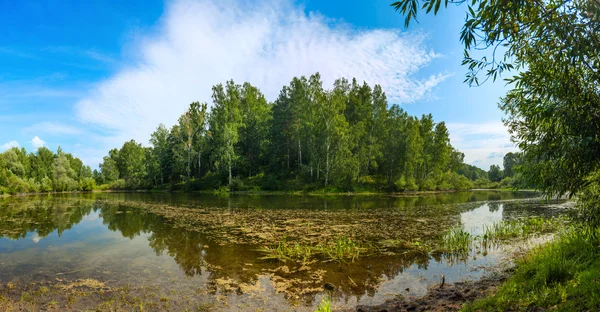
pixel 520 228
pixel 563 275
pixel 325 305
pixel 340 249
pixel 457 240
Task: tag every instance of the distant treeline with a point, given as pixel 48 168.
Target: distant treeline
pixel 43 171
pixel 344 139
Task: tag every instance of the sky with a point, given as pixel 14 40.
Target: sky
pixel 89 75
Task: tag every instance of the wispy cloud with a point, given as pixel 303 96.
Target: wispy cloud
pixel 36 142
pixel 9 145
pixel 202 43
pixel 484 144
pixel 53 128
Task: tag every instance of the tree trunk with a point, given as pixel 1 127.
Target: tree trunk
pixel 200 163
pixel 299 155
pixel 327 164
pixel 189 164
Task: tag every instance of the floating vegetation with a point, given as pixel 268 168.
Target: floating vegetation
pixel 340 249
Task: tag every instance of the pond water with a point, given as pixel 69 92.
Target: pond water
pixel 211 254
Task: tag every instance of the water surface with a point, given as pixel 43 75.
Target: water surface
pixel 110 237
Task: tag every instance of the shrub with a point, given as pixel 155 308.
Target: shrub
pixel 87 184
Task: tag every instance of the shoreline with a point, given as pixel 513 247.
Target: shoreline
pixel 272 193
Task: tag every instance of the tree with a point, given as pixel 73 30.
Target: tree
pixel 161 153
pixel 192 126
pixel 63 174
pixel 253 132
pixel 226 119
pixel 109 170
pixel 552 108
pixel 510 162
pixel 132 164
pixel 495 175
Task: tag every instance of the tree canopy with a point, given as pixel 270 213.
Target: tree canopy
pixel 553 108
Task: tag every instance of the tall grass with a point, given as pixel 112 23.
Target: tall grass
pixel 457 240
pixel 563 275
pixel 340 249
pixel 325 305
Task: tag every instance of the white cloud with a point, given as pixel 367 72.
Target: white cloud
pixel 202 43
pixel 9 145
pixel 36 142
pixel 53 128
pixel 484 144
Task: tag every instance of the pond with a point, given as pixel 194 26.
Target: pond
pixel 181 251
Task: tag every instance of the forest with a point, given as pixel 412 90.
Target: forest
pixel 347 138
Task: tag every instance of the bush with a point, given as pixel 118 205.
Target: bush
pixel 428 184
pixel 87 184
pixel 237 185
pixel 119 184
pixel 589 200
pixel 46 185
pixel 507 182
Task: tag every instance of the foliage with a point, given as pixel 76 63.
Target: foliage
pixel 309 139
pixel 552 108
pixel 340 249
pixel 562 275
pixel 457 240
pixel 325 305
pixel 43 171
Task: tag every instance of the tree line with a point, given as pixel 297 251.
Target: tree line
pixel 43 171
pixel 345 138
pixel 342 139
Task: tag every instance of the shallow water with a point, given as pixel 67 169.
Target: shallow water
pixel 110 237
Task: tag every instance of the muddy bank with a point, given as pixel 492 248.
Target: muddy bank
pixel 449 297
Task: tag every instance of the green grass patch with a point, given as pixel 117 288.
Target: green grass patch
pixel 457 240
pixel 563 275
pixel 341 249
pixel 325 305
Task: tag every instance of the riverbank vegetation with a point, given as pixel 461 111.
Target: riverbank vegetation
pixel 44 171
pixel 344 139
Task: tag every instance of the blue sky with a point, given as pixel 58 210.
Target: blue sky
pixel 88 75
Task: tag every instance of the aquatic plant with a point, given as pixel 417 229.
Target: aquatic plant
pixel 343 248
pixel 325 305
pixel 289 251
pixel 457 240
pixel 340 249
pixel 519 228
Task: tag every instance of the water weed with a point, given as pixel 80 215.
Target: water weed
pixel 325 305
pixel 340 249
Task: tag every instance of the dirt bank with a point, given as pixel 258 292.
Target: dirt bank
pixel 450 297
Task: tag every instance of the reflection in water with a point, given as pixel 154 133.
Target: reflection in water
pixel 101 235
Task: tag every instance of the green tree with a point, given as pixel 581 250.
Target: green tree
pixel 191 129
pixel 109 170
pixel 161 152
pixel 132 164
pixel 226 119
pixel 510 162
pixel 552 108
pixel 495 174
pixel 253 132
